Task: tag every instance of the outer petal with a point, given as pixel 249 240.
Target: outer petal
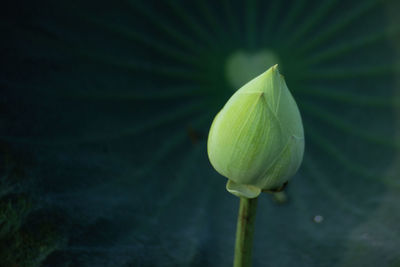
pixel 285 166
pixel 242 190
pixel 244 138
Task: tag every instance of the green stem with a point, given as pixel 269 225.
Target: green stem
pixel 244 232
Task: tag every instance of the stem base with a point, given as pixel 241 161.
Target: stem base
pixel 245 232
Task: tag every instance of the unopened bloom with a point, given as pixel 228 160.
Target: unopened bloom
pixel 257 139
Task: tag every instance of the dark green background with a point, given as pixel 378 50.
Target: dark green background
pixel 104 114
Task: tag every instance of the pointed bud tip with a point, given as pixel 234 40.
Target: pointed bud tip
pixel 275 68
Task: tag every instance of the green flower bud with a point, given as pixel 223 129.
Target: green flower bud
pixel 257 139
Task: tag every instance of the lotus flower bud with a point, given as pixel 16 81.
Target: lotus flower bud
pixel 257 139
